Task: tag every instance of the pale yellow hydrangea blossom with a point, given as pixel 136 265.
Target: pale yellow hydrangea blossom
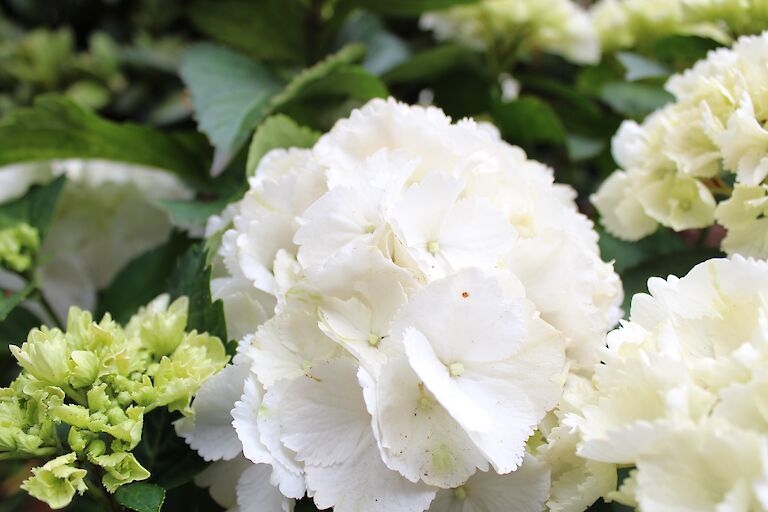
pixel 18 246
pixel 100 380
pixel 630 23
pixel 679 165
pixel 682 396
pixel 559 27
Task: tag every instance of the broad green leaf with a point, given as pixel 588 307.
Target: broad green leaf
pixel 528 120
pixel 57 128
pixel 407 8
pixel 636 278
pixel 634 100
pixel 195 213
pixel 192 278
pixel 36 208
pixel 681 51
pixel 334 76
pixel 385 50
pixel 278 131
pixel 638 67
pixel 583 148
pixel 141 497
pixel 270 30
pixel 230 94
pixel 431 64
pixel 8 303
pixel 141 280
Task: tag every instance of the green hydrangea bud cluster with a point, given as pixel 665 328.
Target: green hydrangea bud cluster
pixel 84 393
pixel 18 246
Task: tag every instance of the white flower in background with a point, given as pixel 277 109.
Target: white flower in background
pixel 561 27
pixel 107 215
pixel 677 167
pixel 681 394
pixel 633 23
pixel 421 291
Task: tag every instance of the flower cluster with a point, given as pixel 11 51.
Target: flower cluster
pixel 18 246
pixel 682 393
pixel 632 23
pixel 424 289
pixel 98 380
pixel 686 156
pixel 107 215
pixel 559 27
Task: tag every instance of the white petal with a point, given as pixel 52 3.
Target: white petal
pixel 288 344
pixel 256 494
pixel 213 436
pixel 322 417
pixel 418 437
pixel 221 480
pixel 328 425
pixel 438 380
pixel 524 490
pixel 245 414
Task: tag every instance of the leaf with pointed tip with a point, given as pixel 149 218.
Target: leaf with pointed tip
pixel 278 131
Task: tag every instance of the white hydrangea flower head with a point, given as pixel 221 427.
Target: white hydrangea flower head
pixel 681 394
pixel 699 160
pixel 560 27
pixel 107 215
pixel 417 292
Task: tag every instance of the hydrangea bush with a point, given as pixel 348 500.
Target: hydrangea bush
pixel 345 258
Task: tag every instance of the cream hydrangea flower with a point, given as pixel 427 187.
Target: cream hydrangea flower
pixel 681 160
pixel 556 26
pixel 107 215
pixel 681 392
pixel 412 337
pixel 630 23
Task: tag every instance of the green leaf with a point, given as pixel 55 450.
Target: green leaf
pixel 636 278
pixel 270 30
pixel 57 128
pixel 583 148
pixel 333 76
pixel 195 213
pixel 230 94
pixel 192 278
pixel 385 50
pixel 626 255
pixel 141 280
pixel 141 497
pixel 407 8
pixel 634 100
pixel 681 51
pixel 638 67
pixel 36 208
pixel 431 64
pixel 528 120
pixel 278 131
pixel 9 303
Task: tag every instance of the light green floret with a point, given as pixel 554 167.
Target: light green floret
pixel 57 481
pixel 100 379
pixel 19 245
